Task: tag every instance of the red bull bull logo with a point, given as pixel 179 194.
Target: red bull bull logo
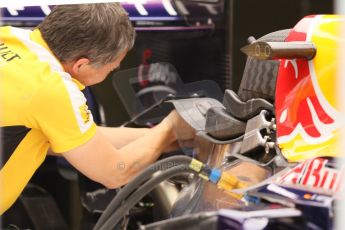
pixel 308 118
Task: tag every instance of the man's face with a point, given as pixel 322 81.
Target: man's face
pixel 88 74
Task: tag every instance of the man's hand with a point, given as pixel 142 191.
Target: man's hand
pixel 182 131
pixel 184 134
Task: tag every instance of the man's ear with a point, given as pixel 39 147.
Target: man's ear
pixel 79 64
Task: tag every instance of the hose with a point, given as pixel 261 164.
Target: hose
pixel 137 181
pixel 144 189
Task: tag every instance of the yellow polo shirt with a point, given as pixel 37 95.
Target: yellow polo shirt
pixel 41 106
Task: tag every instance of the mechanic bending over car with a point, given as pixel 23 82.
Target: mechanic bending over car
pixel 42 73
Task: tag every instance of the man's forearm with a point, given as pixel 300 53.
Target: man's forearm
pixel 101 161
pixel 140 153
pixel 121 136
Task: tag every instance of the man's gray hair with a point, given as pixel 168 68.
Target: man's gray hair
pixel 99 32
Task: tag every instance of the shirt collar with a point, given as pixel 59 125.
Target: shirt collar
pixel 36 36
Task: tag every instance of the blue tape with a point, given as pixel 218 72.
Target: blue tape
pixel 215 175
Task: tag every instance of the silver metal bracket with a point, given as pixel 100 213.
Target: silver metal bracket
pixel 258 131
pixel 260 139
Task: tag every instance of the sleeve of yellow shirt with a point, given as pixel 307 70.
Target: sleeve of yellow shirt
pixel 59 109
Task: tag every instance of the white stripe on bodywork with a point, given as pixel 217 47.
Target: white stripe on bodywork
pixel 77 98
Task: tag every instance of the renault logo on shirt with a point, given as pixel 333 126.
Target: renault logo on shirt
pixel 7 55
pixel 85 113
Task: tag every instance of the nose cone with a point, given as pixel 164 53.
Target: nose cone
pixel 308 118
